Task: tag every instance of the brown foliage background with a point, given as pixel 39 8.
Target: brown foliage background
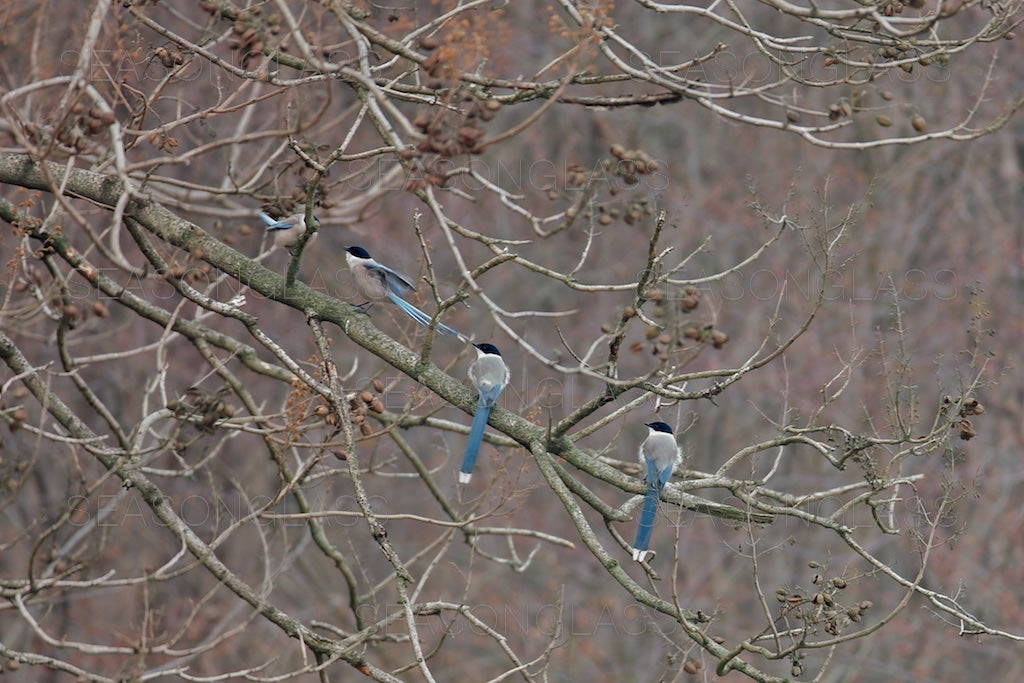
pixel 922 299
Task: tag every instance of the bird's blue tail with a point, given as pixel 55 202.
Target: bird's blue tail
pixel 476 435
pixel 647 516
pixel 418 315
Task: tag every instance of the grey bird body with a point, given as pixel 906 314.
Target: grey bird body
pixel 661 449
pixel 377 282
pixel 487 372
pixel 287 231
pixel 490 375
pixel 660 454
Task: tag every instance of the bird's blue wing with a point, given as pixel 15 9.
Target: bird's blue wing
pixel 395 281
pixel 664 475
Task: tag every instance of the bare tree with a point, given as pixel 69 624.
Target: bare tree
pixel 217 464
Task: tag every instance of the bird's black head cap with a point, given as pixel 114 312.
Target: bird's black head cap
pixel 488 348
pixel 659 427
pixel 358 252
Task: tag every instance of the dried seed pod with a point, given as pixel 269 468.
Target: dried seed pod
pixel 818 598
pixel 919 124
pixel 366 397
pixel 365 429
pixel 719 338
pixel 469 136
pixel 422 120
pixel 839 582
pixel 883 120
pixel 628 312
pixel 690 667
pixel 377 406
pixel 652 331
pixel 606 328
pixel 321 410
pixel 967 430
pixel 429 43
pixel 817 579
pixel 100 310
pixel 378 385
pixel 972 407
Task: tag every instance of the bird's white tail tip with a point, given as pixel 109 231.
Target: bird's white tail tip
pixel 464 477
pixel 640 555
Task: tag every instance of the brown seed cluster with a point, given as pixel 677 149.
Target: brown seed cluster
pixel 969 408
pixel 447 134
pixel 678 331
pixel 361 404
pixel 623 167
pixel 77 130
pixel 202 408
pixel 251 32
pixel 821 606
pixel 170 58
pixel 629 164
